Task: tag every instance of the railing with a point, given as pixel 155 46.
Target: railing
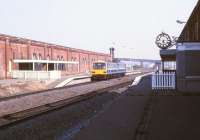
pixel 166 80
pixel 36 75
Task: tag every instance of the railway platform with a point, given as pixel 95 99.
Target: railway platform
pixel 67 79
pixel 142 115
pixel 121 119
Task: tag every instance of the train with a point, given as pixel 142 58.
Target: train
pixel 107 70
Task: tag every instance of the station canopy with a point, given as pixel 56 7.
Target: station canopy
pixel 168 55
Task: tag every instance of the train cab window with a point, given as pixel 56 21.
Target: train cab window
pixel 99 66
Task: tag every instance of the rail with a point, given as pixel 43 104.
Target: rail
pixel 16 117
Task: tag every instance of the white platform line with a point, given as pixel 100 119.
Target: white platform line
pixel 68 80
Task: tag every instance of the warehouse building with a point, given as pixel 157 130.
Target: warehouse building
pixel 20 54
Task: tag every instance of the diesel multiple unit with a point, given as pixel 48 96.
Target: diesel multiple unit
pixel 106 70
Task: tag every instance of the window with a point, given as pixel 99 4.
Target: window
pixel 14 55
pixel 22 57
pixel 169 65
pixel 48 57
pixel 58 57
pixel 99 66
pixel 62 65
pixel 62 58
pixel 34 56
pixel 40 57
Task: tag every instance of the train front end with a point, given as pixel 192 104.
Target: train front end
pixel 99 71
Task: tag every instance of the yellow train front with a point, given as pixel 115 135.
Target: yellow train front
pixel 106 70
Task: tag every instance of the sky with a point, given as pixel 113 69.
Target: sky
pixel 130 26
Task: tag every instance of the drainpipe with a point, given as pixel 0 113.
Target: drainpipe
pixel 6 57
pixel 79 62
pixel 28 49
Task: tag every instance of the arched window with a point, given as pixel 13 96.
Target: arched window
pixel 58 58
pixel 34 56
pixel 62 59
pixel 62 65
pixel 14 55
pixel 22 57
pixel 48 57
pixel 40 57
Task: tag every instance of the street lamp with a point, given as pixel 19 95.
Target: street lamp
pixel 180 22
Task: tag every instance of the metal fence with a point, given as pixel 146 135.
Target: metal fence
pixel 166 80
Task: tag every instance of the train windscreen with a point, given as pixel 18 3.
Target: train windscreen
pixel 99 66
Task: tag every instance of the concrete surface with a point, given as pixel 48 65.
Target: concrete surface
pixel 140 115
pixel 121 119
pixel 175 118
pixel 119 122
pixel 65 78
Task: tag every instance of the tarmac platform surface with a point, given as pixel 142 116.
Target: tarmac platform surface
pixel 121 119
pixel 163 117
pixel 175 118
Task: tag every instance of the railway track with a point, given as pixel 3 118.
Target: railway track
pixel 47 90
pixel 11 119
pixel 38 92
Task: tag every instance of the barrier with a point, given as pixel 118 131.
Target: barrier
pixel 166 80
pixel 36 75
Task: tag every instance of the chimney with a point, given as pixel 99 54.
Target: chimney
pixel 112 53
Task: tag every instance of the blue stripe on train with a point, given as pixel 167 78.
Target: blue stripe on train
pixel 116 71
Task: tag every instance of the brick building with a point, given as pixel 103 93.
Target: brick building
pixel 14 48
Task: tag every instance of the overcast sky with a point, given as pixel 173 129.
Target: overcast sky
pixel 131 26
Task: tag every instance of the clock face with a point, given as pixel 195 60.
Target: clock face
pixel 163 41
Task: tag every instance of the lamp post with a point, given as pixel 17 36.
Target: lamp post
pixel 180 22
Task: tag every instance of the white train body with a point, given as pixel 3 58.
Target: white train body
pixel 107 70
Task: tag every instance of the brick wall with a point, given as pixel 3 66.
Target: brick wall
pixel 19 48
